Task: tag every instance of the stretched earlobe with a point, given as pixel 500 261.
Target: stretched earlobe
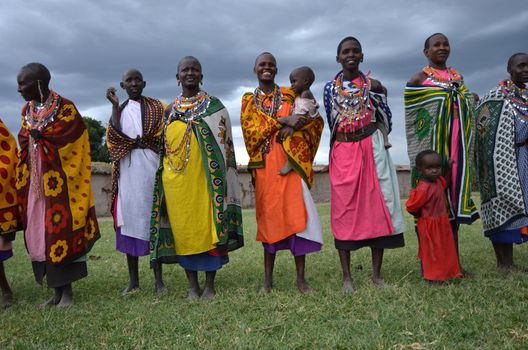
pixel 40 92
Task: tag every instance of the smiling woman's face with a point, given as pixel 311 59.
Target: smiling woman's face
pixel 266 68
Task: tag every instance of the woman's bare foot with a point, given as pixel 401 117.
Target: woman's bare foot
pixel 53 301
pixel 208 293
pixel 159 288
pixel 378 282
pixel 66 301
pixel 348 287
pixel 130 289
pixel 267 287
pixel 303 286
pixel 193 294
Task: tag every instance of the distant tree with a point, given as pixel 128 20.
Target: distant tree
pixel 97 133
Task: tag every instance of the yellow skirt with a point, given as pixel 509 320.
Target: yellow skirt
pixel 189 205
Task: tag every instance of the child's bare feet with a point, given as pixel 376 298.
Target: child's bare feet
pixel 466 273
pixel 387 145
pixel 303 286
pixel 7 300
pixel 285 169
pixel 348 287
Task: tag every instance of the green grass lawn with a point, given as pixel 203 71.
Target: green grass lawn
pixel 488 311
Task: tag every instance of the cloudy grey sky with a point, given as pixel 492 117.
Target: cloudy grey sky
pixel 89 44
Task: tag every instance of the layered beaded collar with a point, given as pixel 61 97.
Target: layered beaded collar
pixel 189 110
pixel 516 96
pixel 190 107
pixel 39 115
pixel 349 99
pixel 274 98
pixel 450 78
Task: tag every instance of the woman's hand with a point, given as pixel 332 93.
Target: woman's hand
pixel 112 97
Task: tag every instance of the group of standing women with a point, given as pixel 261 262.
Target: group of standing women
pixel 184 155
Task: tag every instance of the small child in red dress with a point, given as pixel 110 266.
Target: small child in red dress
pixel 427 202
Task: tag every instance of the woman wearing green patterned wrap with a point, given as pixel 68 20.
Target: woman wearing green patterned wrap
pixel 440 115
pixel 197 184
pixel 502 159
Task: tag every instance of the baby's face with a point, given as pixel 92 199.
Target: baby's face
pixel 299 82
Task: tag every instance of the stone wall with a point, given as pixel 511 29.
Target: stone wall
pixel 101 186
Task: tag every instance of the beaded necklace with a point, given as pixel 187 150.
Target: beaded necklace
pixel 448 83
pixel 40 115
pixel 37 117
pixel 275 101
pixel 516 96
pixel 351 103
pixel 188 110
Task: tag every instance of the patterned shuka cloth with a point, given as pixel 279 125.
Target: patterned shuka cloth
pixel 429 117
pixel 258 128
pixel 502 166
pixel 9 214
pixel 212 131
pixel 61 141
pixel 119 144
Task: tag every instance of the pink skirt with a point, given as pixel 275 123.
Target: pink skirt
pixel 358 209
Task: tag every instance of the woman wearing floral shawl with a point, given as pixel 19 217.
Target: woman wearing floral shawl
pixel 54 185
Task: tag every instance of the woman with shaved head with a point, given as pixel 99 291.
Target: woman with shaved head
pixel 502 161
pixel 440 115
pixel 286 215
pixel 54 185
pixel 196 217
pixel 133 139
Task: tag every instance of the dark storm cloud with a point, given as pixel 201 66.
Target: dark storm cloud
pixel 89 44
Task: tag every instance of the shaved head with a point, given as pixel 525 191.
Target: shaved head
pixel 37 71
pixel 189 58
pixel 132 71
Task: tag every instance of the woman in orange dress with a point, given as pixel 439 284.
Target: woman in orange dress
pixel 286 214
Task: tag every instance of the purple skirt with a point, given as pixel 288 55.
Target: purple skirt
pixel 5 254
pixel 130 245
pixel 296 245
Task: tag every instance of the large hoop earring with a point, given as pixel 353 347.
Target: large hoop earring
pixel 40 92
